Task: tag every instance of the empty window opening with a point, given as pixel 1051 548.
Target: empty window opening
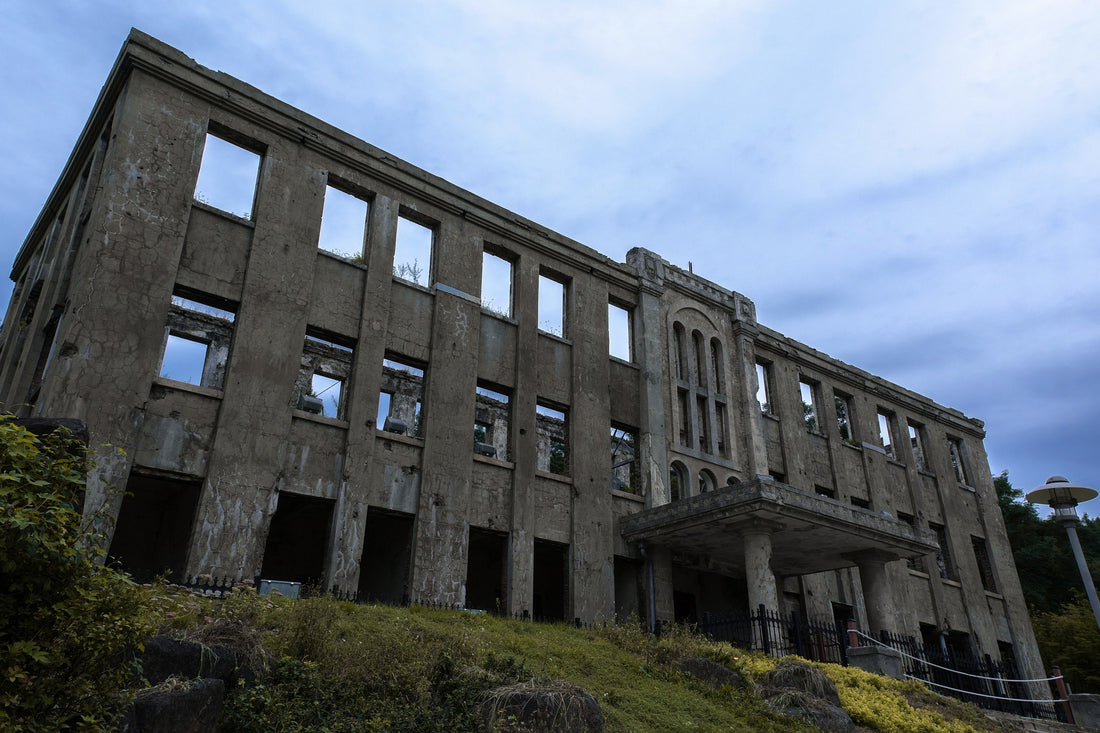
pixel 886 433
pixel 698 350
pixel 678 349
pixel 343 224
pixel 485 581
pixel 624 460
pixel 916 443
pixel 706 481
pixel 958 460
pixel 843 404
pixel 716 364
pixel 944 560
pixel 184 359
pixel 763 387
pixel 677 481
pixel 985 567
pixel 323 375
pixel 412 257
pixel 551 306
pixel 399 404
pixel 297 539
pixel 619 332
pixel 196 342
pixel 628 589
pixel 913 563
pixel 550 584
pixel 825 491
pixel 492 423
pixel 552 443
pixel 703 416
pixel 387 547
pixel 685 417
pixel 154 526
pixel 720 429
pixel 809 405
pixel 227 177
pixel 496 284
pixel 860 502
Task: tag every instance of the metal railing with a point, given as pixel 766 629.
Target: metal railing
pixel 778 634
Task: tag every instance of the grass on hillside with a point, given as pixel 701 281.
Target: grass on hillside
pixel 334 665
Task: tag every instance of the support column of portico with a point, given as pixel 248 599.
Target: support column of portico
pixel 758 568
pixel 877 598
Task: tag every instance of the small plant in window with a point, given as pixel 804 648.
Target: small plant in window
pixel 227 177
pixel 552 445
pixel 412 257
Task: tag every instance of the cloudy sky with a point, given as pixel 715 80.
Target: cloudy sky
pixel 910 187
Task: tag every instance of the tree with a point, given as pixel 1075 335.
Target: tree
pixel 69 628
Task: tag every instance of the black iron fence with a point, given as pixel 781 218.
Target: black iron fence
pixel 778 634
pixel 981 680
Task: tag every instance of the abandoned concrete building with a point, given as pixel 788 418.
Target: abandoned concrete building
pixel 303 359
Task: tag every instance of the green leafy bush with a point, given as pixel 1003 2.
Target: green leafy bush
pixel 69 629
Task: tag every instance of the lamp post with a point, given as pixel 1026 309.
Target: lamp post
pixel 1062 496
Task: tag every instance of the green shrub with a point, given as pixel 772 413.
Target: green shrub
pixel 69 629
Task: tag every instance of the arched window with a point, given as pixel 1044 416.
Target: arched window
pixel 678 347
pixel 706 481
pixel 717 364
pixel 677 481
pixel 699 349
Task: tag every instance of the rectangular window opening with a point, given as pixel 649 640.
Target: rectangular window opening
pixel 196 344
pixel 624 460
pixel 492 423
pixel 227 176
pixel 552 306
pixel 496 284
pixel 703 415
pixel 323 374
pixel 619 339
pixel 720 429
pixel 843 404
pixel 916 443
pixel 399 403
pixel 808 392
pixel 958 460
pixel 685 417
pixel 412 257
pixel 763 387
pixel 552 441
pixel 944 561
pixel 886 433
pixel 913 563
pixel 985 566
pixel 343 224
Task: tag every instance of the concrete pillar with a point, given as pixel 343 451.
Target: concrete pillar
pixel 758 569
pixel 876 593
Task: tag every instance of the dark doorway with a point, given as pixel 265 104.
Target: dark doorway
pixel 683 604
pixel 550 584
pixel 154 526
pixel 485 569
pixel 384 566
pixel 297 540
pixel 628 589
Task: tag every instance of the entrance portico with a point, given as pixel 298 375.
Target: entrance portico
pixel 762 528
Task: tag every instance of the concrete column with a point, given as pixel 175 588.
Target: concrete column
pixel 876 593
pixel 758 569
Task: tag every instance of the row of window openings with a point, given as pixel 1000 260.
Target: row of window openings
pixel 227 181
pixel 697 432
pixel 845 424
pixel 196 349
pixel 698 375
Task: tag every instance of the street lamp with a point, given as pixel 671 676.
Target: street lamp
pixel 1062 496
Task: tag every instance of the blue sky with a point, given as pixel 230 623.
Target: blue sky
pixel 910 187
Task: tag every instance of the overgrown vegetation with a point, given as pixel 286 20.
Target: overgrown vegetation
pixel 1064 625
pixel 69 629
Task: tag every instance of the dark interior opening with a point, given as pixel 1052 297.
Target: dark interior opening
pixel 298 539
pixel 683 604
pixel 628 589
pixel 384 567
pixel 485 570
pixel 154 526
pixel 550 581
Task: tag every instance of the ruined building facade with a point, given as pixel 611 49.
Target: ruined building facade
pixel 445 401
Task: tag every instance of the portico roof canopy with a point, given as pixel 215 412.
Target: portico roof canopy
pixel 809 533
